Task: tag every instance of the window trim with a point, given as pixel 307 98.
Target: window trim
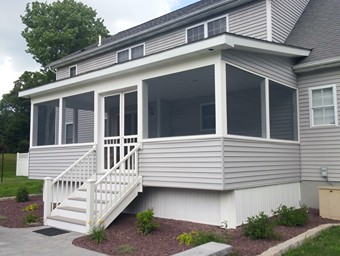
pixel 201 116
pixel 66 124
pixel 335 105
pixel 76 68
pixel 205 25
pixel 130 50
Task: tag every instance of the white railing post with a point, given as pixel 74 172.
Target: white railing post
pixel 90 220
pixel 47 196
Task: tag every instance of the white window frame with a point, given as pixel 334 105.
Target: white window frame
pixel 335 107
pixel 201 116
pixel 205 25
pixel 74 66
pixel 66 124
pixel 129 49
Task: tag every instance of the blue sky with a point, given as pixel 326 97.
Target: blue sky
pixel 117 15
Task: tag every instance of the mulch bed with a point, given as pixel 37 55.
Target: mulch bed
pixel 122 232
pixel 14 212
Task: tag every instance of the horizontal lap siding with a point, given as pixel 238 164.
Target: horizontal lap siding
pixel 183 164
pixel 285 14
pixel 255 163
pixel 165 42
pixel 98 62
pixel 276 68
pixel 50 162
pixel 250 21
pixel 320 146
pixel 63 73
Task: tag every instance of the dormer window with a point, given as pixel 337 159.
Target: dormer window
pixel 207 29
pixel 73 71
pixel 130 53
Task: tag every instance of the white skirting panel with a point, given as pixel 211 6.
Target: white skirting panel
pixel 201 206
pixel 250 202
pixel 215 207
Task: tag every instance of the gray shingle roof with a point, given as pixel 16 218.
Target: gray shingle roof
pixel 318 29
pixel 172 16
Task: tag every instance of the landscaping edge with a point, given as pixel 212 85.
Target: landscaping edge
pixel 295 242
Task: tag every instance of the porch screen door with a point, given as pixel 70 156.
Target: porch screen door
pixel 120 135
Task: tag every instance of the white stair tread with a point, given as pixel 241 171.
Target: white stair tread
pixel 69 220
pixel 82 199
pixel 100 191
pixel 73 209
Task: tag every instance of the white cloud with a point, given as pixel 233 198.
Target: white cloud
pixel 8 75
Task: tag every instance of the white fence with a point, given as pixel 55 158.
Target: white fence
pixel 22 164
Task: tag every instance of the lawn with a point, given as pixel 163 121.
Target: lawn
pixel 11 183
pixel 327 243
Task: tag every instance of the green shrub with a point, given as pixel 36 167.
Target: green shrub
pixel 196 238
pixel 22 195
pixel 145 222
pixel 290 216
pixel 260 227
pixel 98 234
pixel 31 217
pixel 125 249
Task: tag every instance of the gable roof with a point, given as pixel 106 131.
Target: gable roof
pixel 177 18
pixel 318 28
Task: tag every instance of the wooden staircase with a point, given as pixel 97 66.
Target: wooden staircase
pixel 96 201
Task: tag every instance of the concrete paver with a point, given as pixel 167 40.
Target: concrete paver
pixel 23 241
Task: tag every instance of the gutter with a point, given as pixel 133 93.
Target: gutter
pixel 175 23
pixel 317 65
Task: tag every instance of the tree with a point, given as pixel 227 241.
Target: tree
pixel 15 112
pixel 55 30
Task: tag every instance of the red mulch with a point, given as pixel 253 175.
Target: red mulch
pixel 162 241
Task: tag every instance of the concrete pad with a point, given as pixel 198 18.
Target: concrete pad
pixel 208 249
pixel 23 241
pixel 294 242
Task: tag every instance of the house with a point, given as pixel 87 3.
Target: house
pixel 211 113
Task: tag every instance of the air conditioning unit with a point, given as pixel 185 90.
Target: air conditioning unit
pixel 329 202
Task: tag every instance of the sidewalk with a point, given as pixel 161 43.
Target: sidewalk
pixel 23 241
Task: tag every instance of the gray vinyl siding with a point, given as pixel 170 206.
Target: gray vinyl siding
pixel 50 162
pixel 285 14
pixel 63 73
pixel 166 41
pixel 275 68
pixel 255 163
pixel 250 21
pixel 320 146
pixel 193 164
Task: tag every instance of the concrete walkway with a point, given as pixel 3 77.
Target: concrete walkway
pixel 23 241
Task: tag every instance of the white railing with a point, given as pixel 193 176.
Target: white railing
pixel 114 151
pixel 107 191
pixel 57 190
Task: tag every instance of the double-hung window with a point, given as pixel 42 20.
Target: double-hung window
pixel 73 71
pixel 323 109
pixel 207 29
pixel 130 53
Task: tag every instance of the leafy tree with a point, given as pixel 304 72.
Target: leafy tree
pixel 15 112
pixel 52 31
pixel 55 30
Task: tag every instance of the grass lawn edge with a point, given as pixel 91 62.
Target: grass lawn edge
pixel 296 241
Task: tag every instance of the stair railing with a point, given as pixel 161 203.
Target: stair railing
pixel 57 190
pixel 104 193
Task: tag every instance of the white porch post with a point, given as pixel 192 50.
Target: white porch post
pixel 220 97
pixel 47 196
pixel 99 118
pixel 142 114
pixel 90 205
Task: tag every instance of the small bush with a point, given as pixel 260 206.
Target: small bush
pixel 3 217
pixel 22 195
pixel 125 249
pixel 290 216
pixel 98 234
pixel 196 238
pixel 145 222
pixel 260 227
pixel 31 217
